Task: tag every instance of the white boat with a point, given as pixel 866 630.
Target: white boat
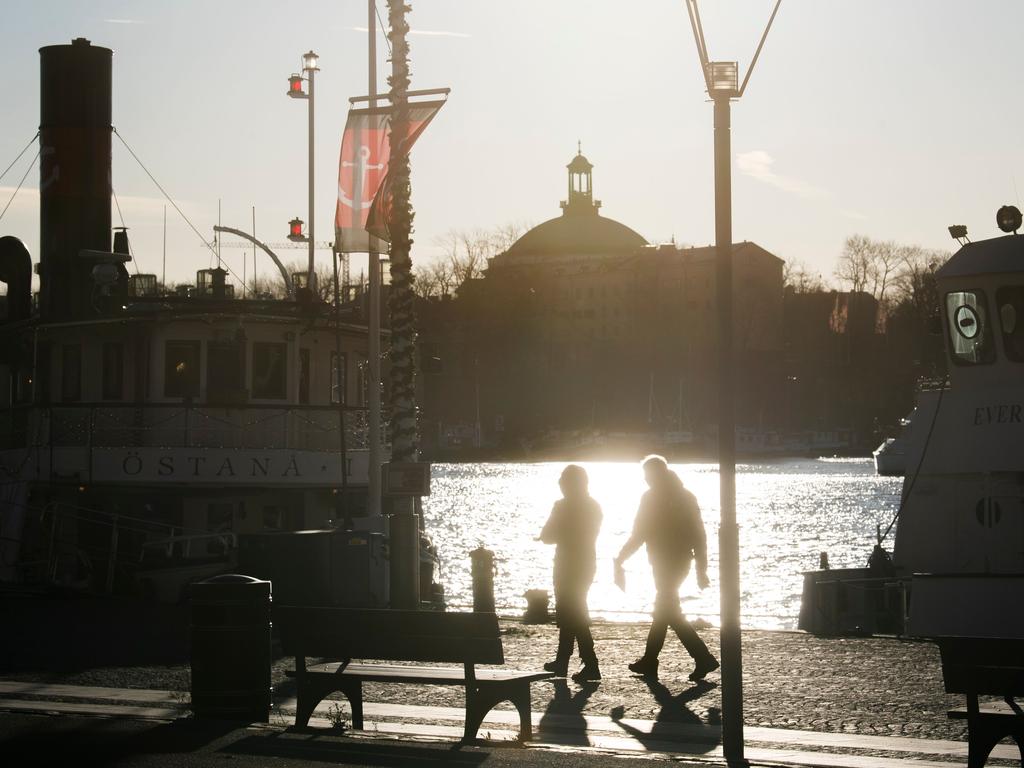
pixel 961 512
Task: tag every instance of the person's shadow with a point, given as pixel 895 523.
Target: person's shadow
pixel 563 721
pixel 676 724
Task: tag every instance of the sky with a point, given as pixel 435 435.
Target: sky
pixel 887 118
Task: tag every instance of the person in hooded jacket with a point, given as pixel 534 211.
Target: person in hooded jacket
pixel 668 522
pixel 573 527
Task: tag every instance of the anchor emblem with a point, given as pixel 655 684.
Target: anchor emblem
pixel 362 166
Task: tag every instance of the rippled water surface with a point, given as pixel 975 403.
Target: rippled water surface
pixel 789 511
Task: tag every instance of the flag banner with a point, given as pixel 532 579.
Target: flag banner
pixel 379 215
pixel 362 167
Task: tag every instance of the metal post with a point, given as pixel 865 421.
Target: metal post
pixel 311 277
pixel 728 533
pixel 374 503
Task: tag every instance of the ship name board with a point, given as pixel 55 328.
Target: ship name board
pixel 997 414
pixel 224 466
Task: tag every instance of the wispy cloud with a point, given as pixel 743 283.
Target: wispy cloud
pixel 758 164
pixel 852 214
pixel 124 21
pixel 424 32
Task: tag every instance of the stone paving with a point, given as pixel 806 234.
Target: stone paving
pixel 879 686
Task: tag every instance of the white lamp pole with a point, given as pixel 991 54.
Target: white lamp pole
pixel 309 66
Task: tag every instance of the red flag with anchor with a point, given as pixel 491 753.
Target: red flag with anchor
pixel 362 168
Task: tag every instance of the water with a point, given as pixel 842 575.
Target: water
pixel 789 510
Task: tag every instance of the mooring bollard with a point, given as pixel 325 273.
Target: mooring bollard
pixel 483 579
pixel 231 649
pixel 537 607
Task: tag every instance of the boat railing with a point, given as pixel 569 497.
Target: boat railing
pixel 291 427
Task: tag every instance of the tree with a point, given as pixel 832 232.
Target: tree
pixel 797 276
pixel 869 265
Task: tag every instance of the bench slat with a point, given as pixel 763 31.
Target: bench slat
pixel 385 673
pixel 390 635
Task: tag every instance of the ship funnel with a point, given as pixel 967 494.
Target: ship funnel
pixel 74 177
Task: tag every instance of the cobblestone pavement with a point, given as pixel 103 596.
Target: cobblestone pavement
pixel 881 686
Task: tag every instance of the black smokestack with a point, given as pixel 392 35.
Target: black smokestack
pixel 74 176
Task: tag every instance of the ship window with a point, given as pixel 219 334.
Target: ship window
pixel 113 370
pixel 1010 300
pixel 71 372
pixel 338 379
pixel 304 375
pixel 181 369
pixel 970 335
pixel 225 371
pixel 363 379
pixel 268 370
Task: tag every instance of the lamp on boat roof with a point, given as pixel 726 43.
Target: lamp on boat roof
pixel 295 87
pixel 295 233
pixel 1008 218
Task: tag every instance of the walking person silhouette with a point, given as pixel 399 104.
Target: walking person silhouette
pixel 669 523
pixel 572 527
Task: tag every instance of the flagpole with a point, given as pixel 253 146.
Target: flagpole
pixel 374 501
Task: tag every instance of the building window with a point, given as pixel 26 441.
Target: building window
pixel 113 371
pixel 71 372
pixel 181 369
pixel 338 396
pixel 269 373
pixel 304 376
pixel 225 371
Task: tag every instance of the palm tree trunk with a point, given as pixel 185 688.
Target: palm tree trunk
pixel 404 432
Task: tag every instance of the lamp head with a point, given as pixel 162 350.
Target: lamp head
pixel 295 87
pixel 1008 218
pixel 309 61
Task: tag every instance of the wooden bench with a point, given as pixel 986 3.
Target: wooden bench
pixel 985 667
pixel 411 636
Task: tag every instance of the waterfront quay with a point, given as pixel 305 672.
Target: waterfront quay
pixel 807 700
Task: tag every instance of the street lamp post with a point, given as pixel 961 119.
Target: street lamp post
pixel 310 68
pixel 723 85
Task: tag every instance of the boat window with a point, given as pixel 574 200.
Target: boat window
pixel 1010 300
pixel 268 370
pixel 304 376
pixel 113 370
pixel 225 371
pixel 71 372
pixel 181 369
pixel 363 379
pixel 970 334
pixel 338 379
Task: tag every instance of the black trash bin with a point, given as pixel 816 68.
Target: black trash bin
pixel 231 649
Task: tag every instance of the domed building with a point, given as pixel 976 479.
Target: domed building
pixel 582 325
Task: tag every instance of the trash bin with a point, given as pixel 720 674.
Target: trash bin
pixel 231 648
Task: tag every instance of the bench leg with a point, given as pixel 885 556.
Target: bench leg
pixel 311 691
pixel 982 736
pixel 483 697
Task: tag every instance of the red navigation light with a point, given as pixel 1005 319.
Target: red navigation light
pixel 295 87
pixel 295 230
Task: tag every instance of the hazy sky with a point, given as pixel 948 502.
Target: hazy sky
pixel 889 118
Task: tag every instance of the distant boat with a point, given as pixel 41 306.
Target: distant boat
pixel 891 455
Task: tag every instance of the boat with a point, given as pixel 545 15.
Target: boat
pixel 960 522
pixel 891 456
pixel 147 433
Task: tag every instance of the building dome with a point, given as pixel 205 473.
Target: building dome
pixel 568 234
pixel 580 229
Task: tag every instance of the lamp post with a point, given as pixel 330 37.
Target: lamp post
pixel 723 85
pixel 310 68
